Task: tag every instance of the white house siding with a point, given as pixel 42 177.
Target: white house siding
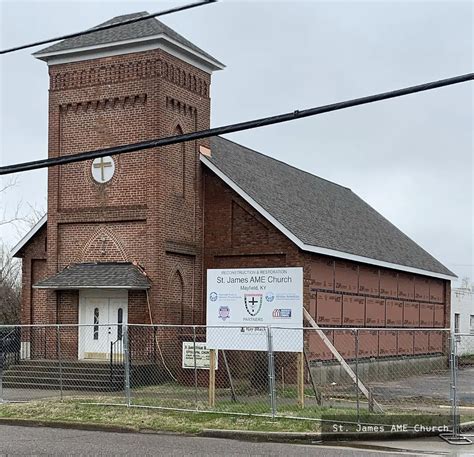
pixel 462 303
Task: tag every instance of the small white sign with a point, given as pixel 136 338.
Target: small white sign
pixel 243 302
pixel 203 358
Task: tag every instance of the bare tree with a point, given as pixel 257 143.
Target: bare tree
pixel 10 268
pixel 10 287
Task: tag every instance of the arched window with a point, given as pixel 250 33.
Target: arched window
pixel 120 322
pixel 96 323
pixel 177 299
pixel 179 164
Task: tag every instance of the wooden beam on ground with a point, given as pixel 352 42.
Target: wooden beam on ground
pixel 378 408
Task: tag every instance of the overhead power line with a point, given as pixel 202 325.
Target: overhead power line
pixel 110 26
pixel 54 161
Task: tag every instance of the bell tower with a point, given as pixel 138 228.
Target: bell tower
pixel 124 85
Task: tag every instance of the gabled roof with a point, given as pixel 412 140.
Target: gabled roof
pixel 318 215
pixel 142 31
pixel 33 231
pixel 108 275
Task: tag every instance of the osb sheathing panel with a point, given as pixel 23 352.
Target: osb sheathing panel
pixel 388 283
pixel 422 288
pixel 405 343
pixel 394 313
pixel 438 316
pixel 317 348
pixel 375 312
pixel 328 309
pixel 421 342
pixel 344 342
pixel 406 286
pixel 387 343
pixel 436 291
pixel 346 277
pixel 353 311
pixel 426 315
pixel 369 343
pixel 369 281
pixel 322 274
pixel 411 314
pixel 435 341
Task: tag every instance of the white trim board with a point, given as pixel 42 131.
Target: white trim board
pixel 29 235
pixel 160 41
pixel 310 248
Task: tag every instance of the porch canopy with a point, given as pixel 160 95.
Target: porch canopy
pixel 101 275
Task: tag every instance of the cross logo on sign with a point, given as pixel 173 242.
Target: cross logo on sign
pixel 253 303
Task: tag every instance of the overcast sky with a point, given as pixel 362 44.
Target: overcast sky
pixel 410 158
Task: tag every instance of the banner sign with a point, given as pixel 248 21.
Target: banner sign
pixel 244 301
pixel 203 358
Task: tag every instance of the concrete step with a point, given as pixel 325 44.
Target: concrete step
pixel 95 387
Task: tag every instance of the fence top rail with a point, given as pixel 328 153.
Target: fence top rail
pixel 273 327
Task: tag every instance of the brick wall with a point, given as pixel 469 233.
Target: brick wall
pixel 150 211
pixel 337 293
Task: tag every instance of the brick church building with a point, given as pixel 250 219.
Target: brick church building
pixel 130 237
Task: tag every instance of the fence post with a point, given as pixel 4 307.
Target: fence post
pixel 357 373
pixel 454 386
pixel 195 368
pixel 58 343
pixel 271 371
pixel 127 364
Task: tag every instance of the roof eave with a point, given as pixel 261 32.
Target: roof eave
pixel 24 241
pixel 160 41
pixel 52 287
pixel 316 249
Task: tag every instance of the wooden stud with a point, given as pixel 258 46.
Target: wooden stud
pixel 300 378
pixel 212 378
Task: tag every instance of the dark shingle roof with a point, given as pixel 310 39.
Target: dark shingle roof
pixel 141 29
pixel 97 276
pixel 318 212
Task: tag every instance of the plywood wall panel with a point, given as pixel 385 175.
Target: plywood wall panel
pixel 344 342
pixel 368 343
pixel 329 309
pixel 438 316
pixel 422 288
pixel 388 283
pixel 435 342
pixel 426 315
pixel 387 343
pixel 353 311
pixel 322 274
pixel 436 290
pixel 405 343
pixel 369 281
pixel 394 313
pixel 346 277
pixel 411 314
pixel 421 342
pixel 406 286
pixel 375 312
pixel 317 350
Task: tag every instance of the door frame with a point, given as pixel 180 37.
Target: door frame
pixel 84 294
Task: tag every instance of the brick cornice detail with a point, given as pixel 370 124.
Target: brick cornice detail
pixel 102 104
pixel 121 72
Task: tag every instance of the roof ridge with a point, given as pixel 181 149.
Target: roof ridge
pixel 284 163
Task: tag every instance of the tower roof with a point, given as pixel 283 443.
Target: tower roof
pixel 129 36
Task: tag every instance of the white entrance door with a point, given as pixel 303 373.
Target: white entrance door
pixel 101 318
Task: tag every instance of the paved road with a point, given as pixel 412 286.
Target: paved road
pixel 16 441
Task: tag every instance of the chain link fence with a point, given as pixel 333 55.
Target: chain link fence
pixel 356 371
